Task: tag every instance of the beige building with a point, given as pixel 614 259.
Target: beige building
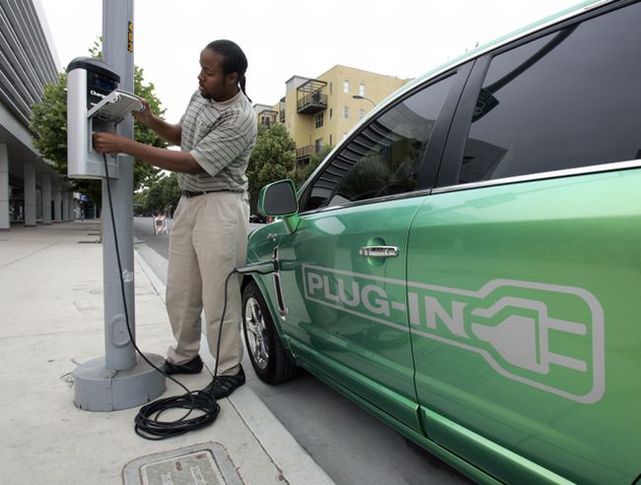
pixel 319 112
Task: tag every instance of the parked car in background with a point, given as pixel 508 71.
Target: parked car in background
pixel 466 264
pixel 257 218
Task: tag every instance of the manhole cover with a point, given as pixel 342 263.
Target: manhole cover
pixel 204 464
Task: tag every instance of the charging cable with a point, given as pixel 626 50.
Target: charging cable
pixel 148 424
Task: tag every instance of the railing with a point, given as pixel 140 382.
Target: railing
pixel 311 103
pixel 305 151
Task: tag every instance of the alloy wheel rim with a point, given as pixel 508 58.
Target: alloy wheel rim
pixel 256 333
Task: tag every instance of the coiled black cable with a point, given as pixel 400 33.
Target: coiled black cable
pixel 147 421
pixel 148 424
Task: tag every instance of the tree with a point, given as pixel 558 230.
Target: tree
pixel 273 158
pixel 161 196
pixel 49 125
pixel 314 160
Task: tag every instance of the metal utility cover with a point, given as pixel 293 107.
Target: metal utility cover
pixel 204 464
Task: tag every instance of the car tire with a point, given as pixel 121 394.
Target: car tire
pixel 271 361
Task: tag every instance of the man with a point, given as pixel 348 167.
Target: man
pixel 209 231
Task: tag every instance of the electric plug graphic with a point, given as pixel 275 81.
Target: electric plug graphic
pixel 529 345
pixel 524 341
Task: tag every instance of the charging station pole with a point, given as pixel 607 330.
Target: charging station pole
pixel 119 351
pixel 121 379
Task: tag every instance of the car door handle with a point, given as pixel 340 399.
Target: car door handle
pixel 379 251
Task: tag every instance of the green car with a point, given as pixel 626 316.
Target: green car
pixel 466 263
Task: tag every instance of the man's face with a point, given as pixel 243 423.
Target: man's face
pixel 212 82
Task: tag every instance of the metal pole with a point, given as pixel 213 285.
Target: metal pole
pixel 117 16
pixel 121 379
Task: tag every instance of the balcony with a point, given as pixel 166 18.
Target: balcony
pixel 310 98
pixel 305 152
pixel 267 118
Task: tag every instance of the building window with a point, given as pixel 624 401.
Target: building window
pixel 331 88
pixel 361 114
pixel 331 113
pixel 330 140
pixel 361 89
pixel 319 120
pixel 346 112
pixel 346 87
pixel 318 145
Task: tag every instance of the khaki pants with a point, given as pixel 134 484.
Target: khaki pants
pixel 208 239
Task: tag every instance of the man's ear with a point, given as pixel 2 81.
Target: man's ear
pixel 232 79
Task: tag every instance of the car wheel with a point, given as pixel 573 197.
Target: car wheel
pixel 271 361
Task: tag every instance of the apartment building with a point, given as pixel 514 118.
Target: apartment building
pixel 319 112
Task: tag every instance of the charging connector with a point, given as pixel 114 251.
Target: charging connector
pixel 261 267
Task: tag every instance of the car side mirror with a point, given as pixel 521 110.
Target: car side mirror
pixel 278 199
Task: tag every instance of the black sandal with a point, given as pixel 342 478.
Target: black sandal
pixel 223 386
pixel 194 366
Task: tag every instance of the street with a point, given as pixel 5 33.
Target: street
pixel 351 446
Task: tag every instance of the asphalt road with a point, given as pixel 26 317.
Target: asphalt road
pixel 351 446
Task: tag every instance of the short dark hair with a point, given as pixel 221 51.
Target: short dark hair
pixel 234 59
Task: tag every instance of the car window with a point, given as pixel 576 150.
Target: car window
pixel 569 99
pixel 384 157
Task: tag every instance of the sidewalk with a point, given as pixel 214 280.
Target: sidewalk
pixel 51 317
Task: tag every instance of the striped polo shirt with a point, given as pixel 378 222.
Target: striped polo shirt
pixel 220 137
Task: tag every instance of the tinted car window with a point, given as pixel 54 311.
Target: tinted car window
pixel 569 99
pixel 384 157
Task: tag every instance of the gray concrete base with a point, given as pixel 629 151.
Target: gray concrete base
pixel 100 389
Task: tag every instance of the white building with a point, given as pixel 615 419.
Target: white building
pixel 31 190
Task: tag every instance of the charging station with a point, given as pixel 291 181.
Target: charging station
pixel 95 102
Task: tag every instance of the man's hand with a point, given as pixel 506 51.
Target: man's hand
pixel 109 143
pixel 145 116
pixel 167 131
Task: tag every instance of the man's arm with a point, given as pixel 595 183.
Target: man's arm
pixel 173 160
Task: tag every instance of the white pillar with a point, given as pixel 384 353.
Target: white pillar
pixel 29 194
pixel 46 199
pixel 57 201
pixel 38 203
pixel 65 205
pixel 69 206
pixel 4 187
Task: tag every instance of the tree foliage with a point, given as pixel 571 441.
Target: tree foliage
pixel 273 158
pixel 49 125
pixel 160 196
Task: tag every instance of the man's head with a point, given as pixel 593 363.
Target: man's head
pixel 222 70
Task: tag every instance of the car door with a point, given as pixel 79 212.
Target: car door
pixel 523 266
pixel 343 269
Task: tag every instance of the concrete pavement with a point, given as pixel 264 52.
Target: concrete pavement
pixel 51 315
